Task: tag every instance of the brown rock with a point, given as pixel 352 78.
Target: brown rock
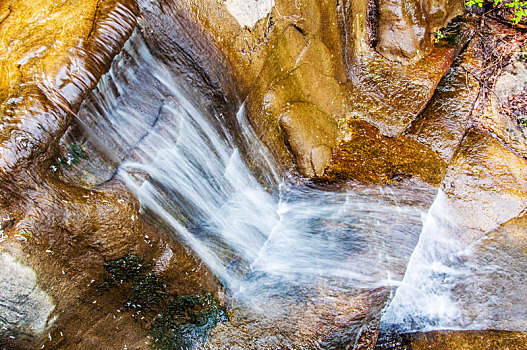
pixel 493 293
pixel 52 55
pixel 61 233
pixel 311 136
pixel 332 319
pixel 405 27
pixel 466 340
pixel 445 119
pixel 66 235
pixel 367 156
pixel 486 185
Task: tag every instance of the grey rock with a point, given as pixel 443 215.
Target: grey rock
pixel 22 303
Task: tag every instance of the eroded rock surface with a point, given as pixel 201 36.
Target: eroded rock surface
pixel 486 185
pixel 404 27
pixel 445 120
pixel 52 55
pixel 329 88
pixel 313 53
pixel 62 229
pixel 23 304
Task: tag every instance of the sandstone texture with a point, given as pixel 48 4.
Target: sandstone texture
pixel 446 340
pixel 349 91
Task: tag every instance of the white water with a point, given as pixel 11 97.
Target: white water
pixel 422 301
pixel 185 168
pixel 278 243
pixel 452 285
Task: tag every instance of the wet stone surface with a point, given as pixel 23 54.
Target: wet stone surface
pixel 446 340
pixel 335 95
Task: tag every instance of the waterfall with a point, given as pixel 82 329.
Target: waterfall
pixel 278 240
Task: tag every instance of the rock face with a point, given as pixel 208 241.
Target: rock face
pixel 404 27
pixel 481 204
pixel 485 185
pixel 49 71
pixel 311 63
pixel 502 247
pixel 23 303
pixel 445 340
pixel 339 91
pixel 58 231
pixel 327 322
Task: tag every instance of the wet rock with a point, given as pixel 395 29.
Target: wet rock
pixel 311 136
pixel 329 320
pixel 366 155
pixel 384 94
pixel 486 185
pixel 443 123
pixel 176 35
pixel 405 28
pixel 493 291
pixel 399 37
pixel 66 234
pixel 446 340
pixel 303 68
pixel 391 96
pixel 80 162
pixel 310 52
pixel 23 305
pixel 52 56
pixel 60 232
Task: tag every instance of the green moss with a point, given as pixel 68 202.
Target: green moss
pixel 186 321
pixel 173 322
pixel 148 292
pixel 125 269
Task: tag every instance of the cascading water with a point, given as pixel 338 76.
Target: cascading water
pixel 452 285
pixel 289 244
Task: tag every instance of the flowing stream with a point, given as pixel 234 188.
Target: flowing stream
pixel 451 285
pixel 273 241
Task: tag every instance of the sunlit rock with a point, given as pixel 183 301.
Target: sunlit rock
pixel 338 91
pixel 486 185
pixel 445 120
pixel 52 55
pixel 247 13
pixel 405 27
pixel 493 291
pixel 469 340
